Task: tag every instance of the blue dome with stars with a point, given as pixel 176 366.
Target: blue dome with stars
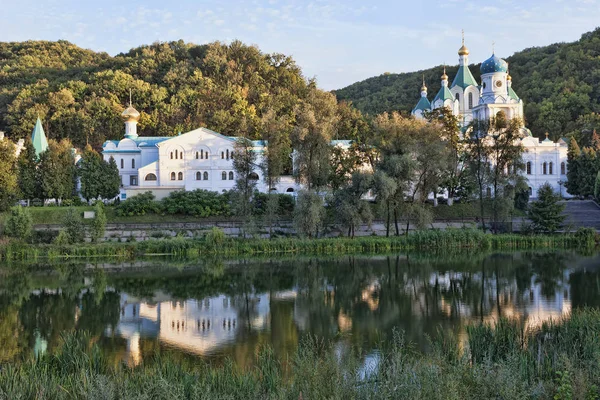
pixel 494 64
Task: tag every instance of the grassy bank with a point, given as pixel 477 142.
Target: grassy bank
pixel 559 360
pixel 217 244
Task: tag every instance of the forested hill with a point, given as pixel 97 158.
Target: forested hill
pixel 559 84
pixel 79 94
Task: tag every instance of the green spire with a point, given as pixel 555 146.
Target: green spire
pixel 464 78
pixel 38 138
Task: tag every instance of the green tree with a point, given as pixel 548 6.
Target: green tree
pixel 57 170
pixel 573 155
pixel 349 207
pixel 111 181
pixel 28 175
pixel 308 214
pixel 8 175
pixel 99 222
pixel 19 223
pixel 91 174
pixel 597 187
pixel 73 227
pixel 384 188
pixel 244 164
pixel 546 213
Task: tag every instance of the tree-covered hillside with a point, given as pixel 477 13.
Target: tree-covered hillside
pixel 79 94
pixel 559 84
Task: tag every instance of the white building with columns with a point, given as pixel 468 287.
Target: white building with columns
pixel 545 160
pixel 199 159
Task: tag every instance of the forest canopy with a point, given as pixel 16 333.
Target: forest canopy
pixel 559 84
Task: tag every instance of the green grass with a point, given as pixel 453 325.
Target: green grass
pixel 559 360
pixel 428 240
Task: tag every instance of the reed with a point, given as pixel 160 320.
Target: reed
pixel 560 358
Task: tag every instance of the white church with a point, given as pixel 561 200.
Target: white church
pixel 199 159
pixel 545 160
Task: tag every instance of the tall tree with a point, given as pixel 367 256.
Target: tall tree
pixel 91 174
pixel 57 170
pixel 244 165
pixel 350 208
pixel 573 155
pixel 8 175
pixel 546 213
pixel 111 181
pixel 28 178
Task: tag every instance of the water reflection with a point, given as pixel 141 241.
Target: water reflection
pixel 212 311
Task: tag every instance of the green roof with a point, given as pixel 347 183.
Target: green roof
pixel 38 138
pixel 463 78
pixel 444 94
pixel 512 94
pixel 423 104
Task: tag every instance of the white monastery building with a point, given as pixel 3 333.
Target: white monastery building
pixel 545 160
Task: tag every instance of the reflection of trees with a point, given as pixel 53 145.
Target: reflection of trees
pixel 587 292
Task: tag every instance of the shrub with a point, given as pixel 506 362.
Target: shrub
pixel 19 223
pixel 309 213
pixel 199 203
pixel 140 204
pixel 215 237
pixel 99 222
pixel 73 227
pixel 285 201
pixel 43 237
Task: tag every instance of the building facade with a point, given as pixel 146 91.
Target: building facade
pixel 545 160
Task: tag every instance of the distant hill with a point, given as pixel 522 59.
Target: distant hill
pixel 559 84
pixel 177 86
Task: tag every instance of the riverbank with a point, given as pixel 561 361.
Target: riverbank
pixel 558 360
pixel 215 243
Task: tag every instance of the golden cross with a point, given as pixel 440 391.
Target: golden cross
pixel 463 36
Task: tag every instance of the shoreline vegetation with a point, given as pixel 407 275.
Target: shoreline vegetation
pixel 558 359
pixel 215 243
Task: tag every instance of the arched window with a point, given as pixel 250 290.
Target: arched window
pixel 150 177
pixel 457 97
pixel 563 169
pixel 230 175
pixel 205 176
pixel 528 167
pixel 545 168
pixel 206 155
pixel 122 163
pixel 172 176
pixel 171 155
pixel 470 100
pixel 176 154
pixel 488 192
pixel 197 155
pixel 550 168
pixel 253 176
pixel 180 176
pixel 222 155
pixel 198 176
pixel 290 190
pixel 224 175
pixel 133 163
pixel 227 154
pixel 530 191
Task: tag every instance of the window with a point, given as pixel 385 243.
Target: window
pixel 171 155
pixel 224 175
pixel 528 167
pixel 470 100
pixel 133 180
pixel 172 176
pixel 180 176
pixel 122 163
pixel 198 176
pixel 196 155
pixel 150 177
pixel 253 176
pixel 176 154
pixel 206 155
pixel 205 176
pixel 222 155
pixel 550 168
pixel 457 97
pixel 530 191
pixel 227 154
pixel 202 154
pixel 290 190
pixel 488 192
pixel 545 168
pixel 230 175
pixel 563 169
pixel 132 163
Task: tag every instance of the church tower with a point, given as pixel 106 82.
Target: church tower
pixel 423 105
pixel 464 87
pixel 131 117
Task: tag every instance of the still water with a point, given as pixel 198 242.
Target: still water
pixel 216 310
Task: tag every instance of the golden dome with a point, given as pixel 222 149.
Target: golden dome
pixel 463 51
pixel 444 76
pixel 130 114
pixel 509 78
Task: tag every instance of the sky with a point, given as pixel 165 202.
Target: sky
pixel 337 42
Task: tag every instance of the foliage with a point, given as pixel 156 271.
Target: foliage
pixel 140 204
pixel 57 170
pixel 111 181
pixel 308 214
pixel 199 203
pixel 573 174
pixel 19 223
pixel 244 163
pixel 99 222
pixel 560 97
pixel 546 213
pixel 8 175
pixel 73 227
pixel 349 207
pixel 284 203
pixel 90 173
pixel 28 173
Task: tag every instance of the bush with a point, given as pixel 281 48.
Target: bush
pixel 99 222
pixel 199 203
pixel 285 201
pixel 19 223
pixel 215 237
pixel 309 214
pixel 73 227
pixel 43 237
pixel 140 204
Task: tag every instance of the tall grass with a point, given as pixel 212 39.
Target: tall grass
pixel 560 359
pixel 214 244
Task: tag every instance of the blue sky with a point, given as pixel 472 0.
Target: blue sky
pixel 338 42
